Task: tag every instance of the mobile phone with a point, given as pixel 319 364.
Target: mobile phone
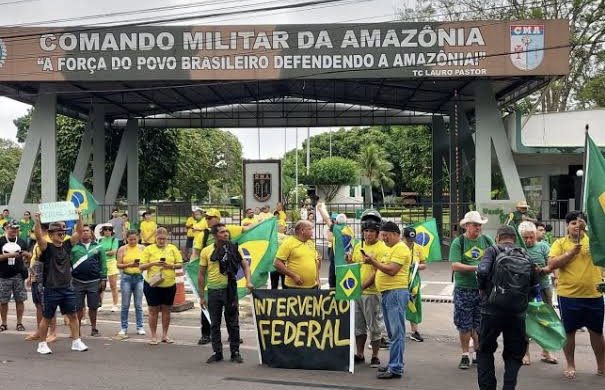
pixel 137 261
pixel 363 252
pixel 162 260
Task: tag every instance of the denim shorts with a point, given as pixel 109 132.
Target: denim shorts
pixel 64 298
pixel 467 309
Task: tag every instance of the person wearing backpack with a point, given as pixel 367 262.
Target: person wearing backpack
pixel 507 279
pixel 466 252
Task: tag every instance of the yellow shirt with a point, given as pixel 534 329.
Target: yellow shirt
pixel 189 225
pixel 148 227
pixel 379 250
pixel 172 255
pixel 399 254
pixel 249 221
pixel 214 279
pixel 264 216
pixel 199 227
pixel 300 258
pixel 417 254
pixel 130 254
pixel 282 216
pixel 234 231
pixel 577 279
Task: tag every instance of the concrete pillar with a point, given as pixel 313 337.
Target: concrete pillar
pixel 440 153
pixel 41 137
pixel 97 124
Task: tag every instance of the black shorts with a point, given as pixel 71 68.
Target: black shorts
pixel 157 296
pixel 577 313
pixel 189 243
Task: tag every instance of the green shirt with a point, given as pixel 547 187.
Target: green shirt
pixel 109 244
pixel 25 227
pixel 470 254
pixel 539 255
pixel 518 216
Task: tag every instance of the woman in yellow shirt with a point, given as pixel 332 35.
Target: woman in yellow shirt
pixel 148 229
pixel 160 258
pixel 131 282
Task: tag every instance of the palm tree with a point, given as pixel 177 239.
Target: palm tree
pixel 376 169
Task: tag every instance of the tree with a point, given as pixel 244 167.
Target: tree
pixel 207 159
pixel 330 173
pixel 11 155
pixel 586 18
pixel 373 167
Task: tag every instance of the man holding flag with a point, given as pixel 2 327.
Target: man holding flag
pixel 414 307
pixel 367 308
pixel 392 273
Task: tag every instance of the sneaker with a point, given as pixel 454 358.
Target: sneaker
pixel 122 332
pixel 43 348
pixel 382 369
pixel 417 337
pixel 122 335
pixel 465 363
pixel 359 359
pixel 95 332
pixel 114 309
pixel 141 331
pixel 203 340
pixel 375 362
pixel 216 357
pixel 78 345
pixel 384 343
pixel 387 375
pixel 236 358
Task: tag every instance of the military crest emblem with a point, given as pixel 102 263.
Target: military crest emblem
pixel 262 186
pixel 527 46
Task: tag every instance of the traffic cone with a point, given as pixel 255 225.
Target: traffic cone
pixel 180 303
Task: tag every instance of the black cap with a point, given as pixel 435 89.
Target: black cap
pixel 390 227
pixel 409 232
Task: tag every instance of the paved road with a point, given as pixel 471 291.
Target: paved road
pixel 133 364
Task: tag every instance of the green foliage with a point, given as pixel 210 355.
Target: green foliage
pixel 11 155
pixel 208 160
pixel 407 148
pixel 330 173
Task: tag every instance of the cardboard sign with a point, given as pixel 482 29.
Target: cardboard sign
pixel 57 211
pixel 304 329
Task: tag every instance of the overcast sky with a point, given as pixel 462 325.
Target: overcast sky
pixel 74 12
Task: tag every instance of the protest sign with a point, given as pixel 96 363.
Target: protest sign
pixel 57 211
pixel 304 329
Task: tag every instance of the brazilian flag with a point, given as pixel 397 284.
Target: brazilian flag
pixel 413 311
pixel 80 197
pixel 428 239
pixel 348 276
pixel 259 246
pixel 594 200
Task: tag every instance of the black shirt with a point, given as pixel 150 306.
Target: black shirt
pixel 57 265
pixel 8 267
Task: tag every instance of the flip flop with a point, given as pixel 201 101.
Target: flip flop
pixel 32 337
pixel 168 341
pixel 526 362
pixel 51 339
pixel 600 373
pixel 569 374
pixel 153 342
pixel 551 360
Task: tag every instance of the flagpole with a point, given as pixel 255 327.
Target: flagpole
pixel 582 189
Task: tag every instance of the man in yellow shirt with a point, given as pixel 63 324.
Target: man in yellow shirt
pixel 392 273
pixel 281 214
pixel 250 218
pixel 265 213
pixel 297 258
pixel 148 229
pixel 580 302
pixel 367 309
pixel 192 230
pixel 222 261
pixel 203 240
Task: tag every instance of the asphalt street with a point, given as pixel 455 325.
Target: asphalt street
pixel 133 364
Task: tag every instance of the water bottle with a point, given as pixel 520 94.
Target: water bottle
pixel 538 294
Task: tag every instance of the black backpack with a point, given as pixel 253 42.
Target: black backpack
pixel 511 279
